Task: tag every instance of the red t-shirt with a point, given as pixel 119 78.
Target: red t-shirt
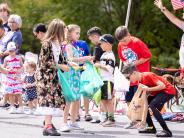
pixel 150 79
pixel 135 50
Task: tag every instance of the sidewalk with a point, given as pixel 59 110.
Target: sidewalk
pixel 29 126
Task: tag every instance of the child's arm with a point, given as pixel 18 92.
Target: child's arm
pixel 159 86
pixel 98 65
pixel 64 67
pixel 5 63
pixel 4 70
pixel 74 59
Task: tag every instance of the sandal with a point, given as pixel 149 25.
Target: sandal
pixel 88 117
pixel 140 125
pixel 78 118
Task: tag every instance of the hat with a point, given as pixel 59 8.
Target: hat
pixel 11 46
pixel 107 38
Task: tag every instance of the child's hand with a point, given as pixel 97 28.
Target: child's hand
pixel 98 65
pixel 28 85
pixel 143 87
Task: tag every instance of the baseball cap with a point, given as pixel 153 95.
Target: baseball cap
pixel 11 46
pixel 107 38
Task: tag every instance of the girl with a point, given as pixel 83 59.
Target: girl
pixel 13 85
pixel 30 86
pixel 72 54
pixel 50 96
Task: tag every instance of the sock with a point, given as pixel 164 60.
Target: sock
pixel 106 115
pixel 48 126
pixel 111 116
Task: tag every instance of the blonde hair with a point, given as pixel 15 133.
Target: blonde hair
pixel 55 31
pixel 71 28
pixel 31 64
pixel 5 6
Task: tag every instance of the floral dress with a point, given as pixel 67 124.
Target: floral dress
pixel 48 89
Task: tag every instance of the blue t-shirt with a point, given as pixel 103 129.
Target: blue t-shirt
pixel 84 48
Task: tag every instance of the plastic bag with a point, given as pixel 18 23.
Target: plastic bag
pixel 120 82
pixel 90 81
pixel 97 97
pixel 68 94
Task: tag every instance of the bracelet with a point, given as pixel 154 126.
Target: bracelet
pixel 163 9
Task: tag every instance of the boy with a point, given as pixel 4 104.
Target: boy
pixel 107 65
pixel 94 34
pixel 159 90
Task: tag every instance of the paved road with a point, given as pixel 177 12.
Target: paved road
pixel 27 126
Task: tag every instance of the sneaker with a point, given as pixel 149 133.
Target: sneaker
pixel 95 121
pixel 12 110
pixel 65 128
pixel 50 132
pixel 164 133
pixel 20 110
pixel 103 121
pixel 75 126
pixel 132 125
pixel 5 105
pixel 88 117
pixel 29 112
pixel 109 123
pixel 148 130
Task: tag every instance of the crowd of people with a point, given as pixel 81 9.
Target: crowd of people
pixel 61 47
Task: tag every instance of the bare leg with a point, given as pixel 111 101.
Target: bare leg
pixel 86 106
pixel 66 112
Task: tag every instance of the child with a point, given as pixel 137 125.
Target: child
pixel 107 65
pixel 160 91
pixel 72 53
pixel 94 34
pixel 13 84
pixel 30 86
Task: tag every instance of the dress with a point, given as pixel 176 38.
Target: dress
pixel 48 89
pixel 31 91
pixel 74 75
pixel 13 84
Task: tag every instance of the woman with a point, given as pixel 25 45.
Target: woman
pixel 15 23
pixel 50 98
pixel 4 14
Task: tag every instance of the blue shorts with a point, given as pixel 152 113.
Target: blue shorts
pixel 130 94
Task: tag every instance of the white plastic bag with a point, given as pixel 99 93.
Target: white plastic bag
pixel 120 82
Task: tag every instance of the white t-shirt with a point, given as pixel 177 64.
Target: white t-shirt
pixel 56 51
pixel 108 59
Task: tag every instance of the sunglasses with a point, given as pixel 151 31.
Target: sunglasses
pixel 103 39
pixel 3 10
pixel 11 21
